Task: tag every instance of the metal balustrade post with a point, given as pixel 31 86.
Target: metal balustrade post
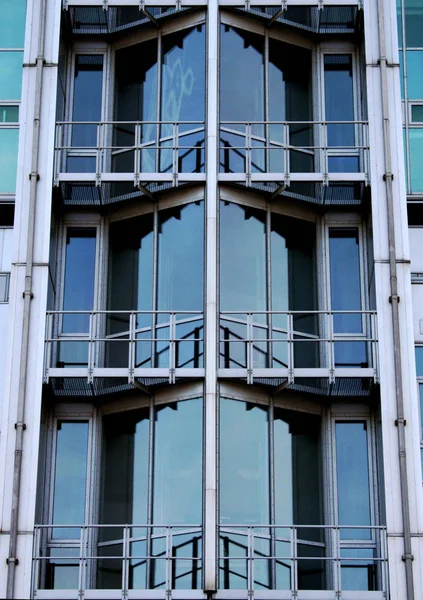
pixel 91 349
pixel 99 151
pixel 169 566
pixel 250 561
pixel 132 347
pixel 137 153
pixel 125 560
pixel 331 347
pixel 287 166
pixel 250 348
pixel 291 353
pixel 81 562
pixel 294 569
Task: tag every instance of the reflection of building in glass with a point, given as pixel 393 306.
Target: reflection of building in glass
pixel 209 386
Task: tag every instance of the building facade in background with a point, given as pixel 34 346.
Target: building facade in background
pixel 211 308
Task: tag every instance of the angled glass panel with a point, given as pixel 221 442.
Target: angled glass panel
pixel 244 473
pixel 136 100
pixel 10 75
pixel 346 294
pixel 70 477
pixel 12 24
pixel 353 482
pixel 87 101
pixel 78 292
pixel 182 97
pixel 8 159
pixel 177 491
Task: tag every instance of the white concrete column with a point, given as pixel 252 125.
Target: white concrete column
pixel 34 372
pixel 393 124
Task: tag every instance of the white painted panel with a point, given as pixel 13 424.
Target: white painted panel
pixel 6 237
pixel 416 249
pixel 4 309
pixel 417 292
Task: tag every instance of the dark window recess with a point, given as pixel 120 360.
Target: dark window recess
pixel 7 214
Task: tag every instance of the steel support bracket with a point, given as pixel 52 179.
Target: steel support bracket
pixel 12 560
pixel 394 297
pixel 23 425
pixel 398 421
pixel 405 557
pixel 387 176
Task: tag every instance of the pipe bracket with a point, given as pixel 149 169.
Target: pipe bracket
pixel 12 560
pixel 405 557
pixel 402 420
pixel 394 297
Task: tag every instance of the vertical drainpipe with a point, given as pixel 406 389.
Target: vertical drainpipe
pixel 211 324
pixel 20 426
pixel 394 300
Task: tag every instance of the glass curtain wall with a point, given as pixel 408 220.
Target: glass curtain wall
pixel 281 92
pixel 12 34
pixel 275 272
pixel 156 264
pixel 161 83
pixel 410 37
pixel 152 475
pixel 271 458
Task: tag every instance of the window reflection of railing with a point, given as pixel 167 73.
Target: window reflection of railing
pixel 303 557
pixel 120 557
pixel 124 344
pixel 269 150
pixel 298 344
pixel 122 151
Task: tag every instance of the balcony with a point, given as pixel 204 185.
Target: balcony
pixel 101 162
pixel 320 351
pixel 311 562
pixel 100 352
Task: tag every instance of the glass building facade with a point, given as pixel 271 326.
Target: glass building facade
pixel 213 354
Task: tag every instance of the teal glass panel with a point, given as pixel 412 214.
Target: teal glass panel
pixel 8 160
pixel 419 361
pixel 415 74
pixel 11 75
pixel 401 62
pixel 416 159
pixel 417 113
pixel 12 24
pixel 352 471
pixel 70 477
pixel 413 10
pixel 399 22
pixel 9 114
pixel 421 410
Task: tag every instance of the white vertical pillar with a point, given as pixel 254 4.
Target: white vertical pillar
pixel 382 247
pixel 40 274
pixel 211 323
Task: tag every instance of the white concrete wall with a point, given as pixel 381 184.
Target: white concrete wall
pixel 6 240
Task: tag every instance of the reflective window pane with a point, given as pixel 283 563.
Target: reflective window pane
pixel 9 114
pixel 12 24
pixel 244 463
pixel 10 75
pixel 87 98
pixel 177 493
pixel 79 278
pixel 416 153
pixel 70 476
pixel 242 263
pixel 8 159
pixel 339 99
pixel 413 23
pixel 415 74
pixel 242 64
pixel 181 264
pixel 417 113
pixel 352 472
pixel 419 361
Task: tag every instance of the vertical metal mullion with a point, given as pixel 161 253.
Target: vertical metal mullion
pixel 269 287
pixel 158 99
pixel 149 531
pixel 155 280
pixel 272 495
pixel 125 561
pixel 211 304
pixel 266 104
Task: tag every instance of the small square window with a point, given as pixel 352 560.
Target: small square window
pixel 417 113
pixel 9 114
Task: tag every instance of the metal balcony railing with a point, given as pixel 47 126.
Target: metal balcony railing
pixel 116 557
pixel 294 151
pixel 113 151
pixel 124 344
pixel 285 559
pixel 304 557
pixel 294 344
